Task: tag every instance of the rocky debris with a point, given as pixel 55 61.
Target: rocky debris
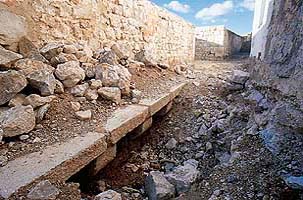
pixel 110 93
pixel 39 75
pixel 35 100
pixel 12 82
pixel 62 58
pixel 75 106
pixel 23 137
pixel 171 144
pixel 84 115
pixel 239 77
pixel 120 52
pixel 91 95
pixel 157 187
pixel 12 27
pixel 90 69
pixel 70 49
pixel 144 57
pixel 43 190
pixel 79 90
pixel 183 176
pixel 3 160
pixel 8 57
pixel 114 76
pixel 108 57
pixel 51 50
pixel 136 94
pixel 70 73
pixel 108 195
pixel 41 112
pixel 59 89
pixel 27 48
pixel 95 84
pixel 18 100
pixel 17 121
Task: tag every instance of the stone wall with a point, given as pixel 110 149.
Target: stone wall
pixel 136 24
pixel 216 43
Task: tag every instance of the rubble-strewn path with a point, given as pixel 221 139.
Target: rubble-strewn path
pixel 206 140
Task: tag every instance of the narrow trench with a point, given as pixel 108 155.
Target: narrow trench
pixel 112 174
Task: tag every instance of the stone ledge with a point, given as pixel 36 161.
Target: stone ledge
pixel 59 160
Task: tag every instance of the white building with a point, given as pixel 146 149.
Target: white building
pixel 262 18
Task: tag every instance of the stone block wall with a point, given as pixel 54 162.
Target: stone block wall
pixel 136 24
pixel 216 43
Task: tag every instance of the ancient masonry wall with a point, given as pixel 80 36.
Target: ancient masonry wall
pixel 216 42
pixel 136 24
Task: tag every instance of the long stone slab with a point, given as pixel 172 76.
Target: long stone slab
pixel 60 160
pixel 125 120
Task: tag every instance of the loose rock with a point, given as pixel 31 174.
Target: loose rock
pixel 110 93
pixel 157 187
pixel 35 100
pixel 84 115
pixel 17 121
pixel 43 190
pixel 59 89
pixel 171 144
pixel 75 106
pixel 91 95
pixel 8 57
pixel 239 77
pixel 51 50
pixel 41 112
pixel 12 82
pixel 70 73
pixel 18 100
pixel 79 90
pixel 108 195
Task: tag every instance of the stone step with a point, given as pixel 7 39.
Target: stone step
pixel 61 161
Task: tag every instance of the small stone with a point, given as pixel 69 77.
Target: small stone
pixel 239 77
pixel 75 106
pixel 24 137
pixel 35 100
pixel 37 140
pixel 17 121
pixel 18 100
pixel 163 65
pixel 8 57
pixel 171 144
pixel 12 82
pixel 110 93
pixel 90 69
pixel 79 90
pixel 43 190
pixel 51 50
pixel 70 73
pixel 70 49
pixel 3 160
pixel 157 187
pixel 91 95
pixel 95 84
pixel 41 112
pixel 84 115
pixel 136 94
pixel 208 146
pixel 108 195
pixel 59 89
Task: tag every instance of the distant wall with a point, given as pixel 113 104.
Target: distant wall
pixel 216 43
pixel 262 18
pixel 137 24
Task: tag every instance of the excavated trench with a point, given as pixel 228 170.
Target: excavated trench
pixel 232 164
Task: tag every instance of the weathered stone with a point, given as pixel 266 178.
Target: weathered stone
pixel 239 77
pixel 79 90
pixel 183 176
pixel 41 112
pixel 18 100
pixel 27 48
pixel 90 69
pixel 51 50
pixel 119 51
pixel 135 64
pixel 23 137
pixel 95 84
pixel 171 144
pixel 43 190
pixel 91 95
pixel 12 27
pixel 114 76
pixel 84 115
pixel 62 58
pixel 136 94
pixel 110 93
pixel 157 187
pixel 145 58
pixel 12 82
pixel 59 89
pixel 17 121
pixel 39 75
pixel 108 195
pixel 70 73
pixel 108 57
pixel 75 106
pixel 70 49
pixel 8 57
pixel 35 100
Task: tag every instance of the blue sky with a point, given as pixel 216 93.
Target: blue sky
pixel 237 15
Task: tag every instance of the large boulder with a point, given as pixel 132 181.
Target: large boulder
pixel 110 93
pixel 12 27
pixel 108 195
pixel 8 57
pixel 114 76
pixel 17 121
pixel 12 82
pixel 183 176
pixel 157 187
pixel 39 75
pixel 70 73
